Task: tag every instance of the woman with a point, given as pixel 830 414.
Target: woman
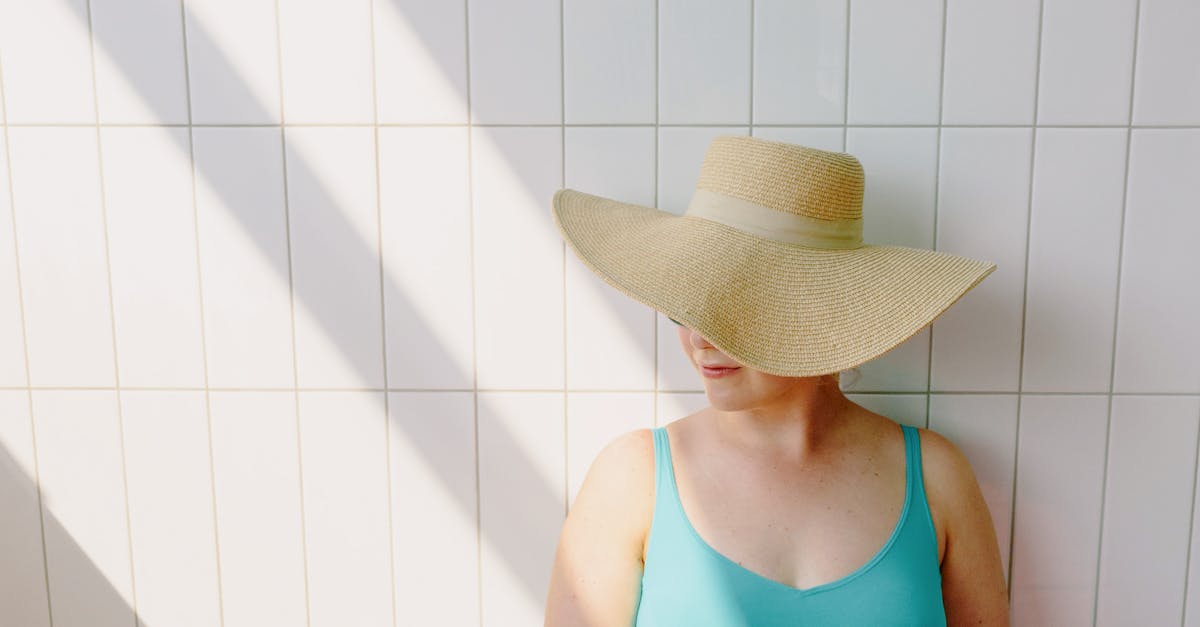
pixel 782 502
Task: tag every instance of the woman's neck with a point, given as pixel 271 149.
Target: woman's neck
pixel 808 423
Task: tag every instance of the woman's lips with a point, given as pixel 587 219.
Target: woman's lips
pixel 716 373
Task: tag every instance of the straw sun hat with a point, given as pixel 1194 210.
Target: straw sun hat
pixel 768 263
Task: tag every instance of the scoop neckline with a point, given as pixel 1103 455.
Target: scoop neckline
pixel 841 581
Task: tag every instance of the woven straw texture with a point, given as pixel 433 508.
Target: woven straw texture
pixel 781 308
pixel 785 177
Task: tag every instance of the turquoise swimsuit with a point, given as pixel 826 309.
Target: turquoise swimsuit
pixel 687 582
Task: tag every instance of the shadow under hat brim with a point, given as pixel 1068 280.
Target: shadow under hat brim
pixel 781 308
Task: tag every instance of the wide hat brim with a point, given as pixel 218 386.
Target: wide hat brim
pixel 782 308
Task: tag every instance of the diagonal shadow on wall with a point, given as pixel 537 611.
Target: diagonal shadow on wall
pixel 95 596
pixel 340 238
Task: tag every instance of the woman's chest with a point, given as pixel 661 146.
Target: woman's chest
pixel 801 529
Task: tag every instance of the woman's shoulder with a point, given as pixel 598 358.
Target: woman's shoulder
pixel 950 483
pixel 944 465
pixel 974 586
pixel 627 459
pixel 602 537
pixel 622 476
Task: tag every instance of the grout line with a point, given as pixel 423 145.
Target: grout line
pixel 1024 303
pixel 470 126
pixel 937 195
pixel 752 18
pixel 37 478
pixel 212 480
pixel 1033 141
pixel 562 163
pixel 387 413
pixel 845 125
pixel 112 320
pixel 1112 362
pixel 595 124
pixel 292 307
pixel 845 97
pixel 1191 528
pixel 656 131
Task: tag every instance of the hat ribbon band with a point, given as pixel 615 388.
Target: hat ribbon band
pixel 781 226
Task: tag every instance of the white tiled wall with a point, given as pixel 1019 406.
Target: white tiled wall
pixel 287 335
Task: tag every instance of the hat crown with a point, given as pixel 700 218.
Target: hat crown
pixel 783 192
pixel 786 177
